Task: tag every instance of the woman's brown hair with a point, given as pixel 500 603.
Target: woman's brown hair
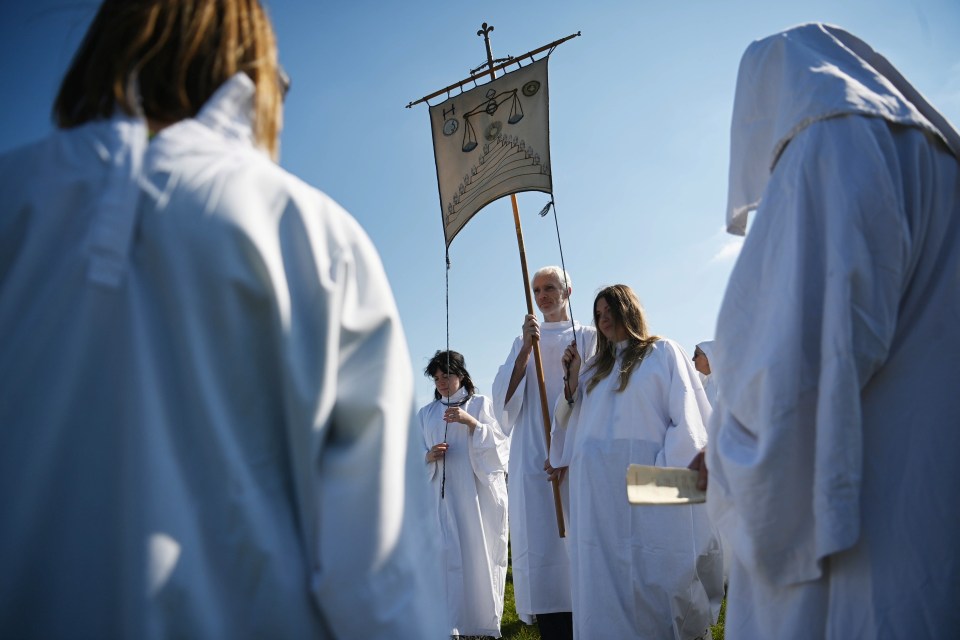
pixel 450 362
pixel 627 312
pixel 179 52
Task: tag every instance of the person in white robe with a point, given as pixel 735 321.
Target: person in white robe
pixel 637 571
pixel 701 362
pixel 466 462
pixel 538 555
pixel 207 402
pixel 830 470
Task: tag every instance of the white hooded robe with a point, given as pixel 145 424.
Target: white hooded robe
pixel 831 457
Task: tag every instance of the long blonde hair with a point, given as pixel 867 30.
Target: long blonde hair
pixel 179 52
pixel 627 311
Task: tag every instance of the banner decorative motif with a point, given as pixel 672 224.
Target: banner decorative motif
pixel 492 141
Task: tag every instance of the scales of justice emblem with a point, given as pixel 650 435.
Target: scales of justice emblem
pixel 492 141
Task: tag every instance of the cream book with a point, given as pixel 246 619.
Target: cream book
pixel 662 485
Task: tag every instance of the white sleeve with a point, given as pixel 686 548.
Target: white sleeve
pixel 562 432
pixel 431 467
pixel 361 488
pixel 508 412
pixel 489 447
pixel 808 316
pixel 687 407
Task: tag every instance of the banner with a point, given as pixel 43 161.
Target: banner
pixel 491 141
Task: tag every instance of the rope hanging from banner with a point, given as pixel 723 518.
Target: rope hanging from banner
pixel 443 467
pixel 567 394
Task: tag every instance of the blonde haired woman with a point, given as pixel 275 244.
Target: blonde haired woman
pixel 637 572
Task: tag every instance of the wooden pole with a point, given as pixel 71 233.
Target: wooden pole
pixel 545 409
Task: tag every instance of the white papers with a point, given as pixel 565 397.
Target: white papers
pixel 662 485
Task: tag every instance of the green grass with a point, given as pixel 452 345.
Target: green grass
pixel 513 629
pixel 717 629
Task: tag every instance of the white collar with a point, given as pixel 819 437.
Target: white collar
pixel 229 111
pixel 459 396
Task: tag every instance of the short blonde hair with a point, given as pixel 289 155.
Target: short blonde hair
pixel 179 52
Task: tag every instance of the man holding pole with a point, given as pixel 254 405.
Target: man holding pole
pixel 541 566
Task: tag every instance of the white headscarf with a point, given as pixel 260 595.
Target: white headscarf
pixel 709 381
pixel 707 347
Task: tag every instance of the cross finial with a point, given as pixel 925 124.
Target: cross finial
pixel 485 32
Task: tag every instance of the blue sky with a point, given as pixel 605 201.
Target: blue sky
pixel 640 116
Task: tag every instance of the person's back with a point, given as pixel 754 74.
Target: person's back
pixel 69 482
pixel 189 417
pixel 827 469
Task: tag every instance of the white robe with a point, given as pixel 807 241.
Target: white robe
pixel 206 392
pixel 832 476
pixel 539 556
pixel 472 512
pixel 637 572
